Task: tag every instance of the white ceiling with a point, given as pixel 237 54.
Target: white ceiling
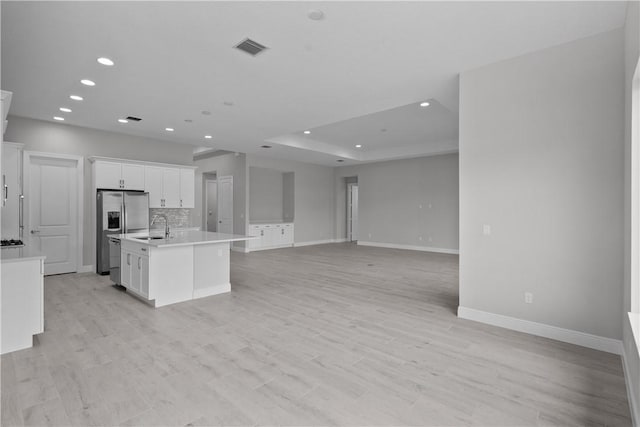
pixel 364 67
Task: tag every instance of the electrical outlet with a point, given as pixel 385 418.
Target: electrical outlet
pixel 430 239
pixel 486 230
pixel 430 205
pixel 528 297
pixel 420 238
pixel 419 206
pixel 219 252
pixel 369 235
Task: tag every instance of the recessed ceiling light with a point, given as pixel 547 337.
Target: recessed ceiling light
pixel 61 119
pixel 105 61
pixel 65 109
pixel 424 104
pixel 208 136
pixel 307 132
pixel 206 113
pixel 123 120
pixel 228 103
pixel 340 160
pixel 265 146
pixel 169 129
pixel 87 82
pixel 188 121
pixel 358 145
pixel 76 97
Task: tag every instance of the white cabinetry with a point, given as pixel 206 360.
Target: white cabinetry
pixel 163 186
pixel 187 188
pixel 271 236
pixel 114 175
pixel 5 98
pixel 11 189
pixel 134 270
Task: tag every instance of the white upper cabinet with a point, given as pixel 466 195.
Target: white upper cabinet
pixel 120 176
pixel 133 176
pixel 108 175
pixel 171 187
pixel 153 177
pixel 187 188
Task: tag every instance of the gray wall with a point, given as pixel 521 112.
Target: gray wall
pixel 632 54
pixel 266 195
pixel 394 199
pixel 230 164
pixel 288 196
pixel 541 162
pixel 314 201
pixel 39 135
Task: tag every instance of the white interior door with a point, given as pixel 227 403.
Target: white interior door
pixel 225 204
pixel 51 206
pixel 212 205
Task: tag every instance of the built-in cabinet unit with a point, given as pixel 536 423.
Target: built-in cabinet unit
pixel 134 269
pixel 169 186
pixel 125 176
pixel 271 236
pixel 11 190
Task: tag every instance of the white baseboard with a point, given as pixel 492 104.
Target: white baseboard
pixel 634 405
pixel 212 290
pixel 86 269
pixel 540 329
pixel 315 242
pixel 409 247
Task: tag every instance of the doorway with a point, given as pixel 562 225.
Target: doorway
pixel 53 209
pixel 211 204
pixel 352 211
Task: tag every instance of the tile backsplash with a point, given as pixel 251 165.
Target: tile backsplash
pixel 178 218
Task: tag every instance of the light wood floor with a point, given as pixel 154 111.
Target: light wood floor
pixel 324 335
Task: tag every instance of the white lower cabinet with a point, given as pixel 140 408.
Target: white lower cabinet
pixel 134 270
pixel 271 236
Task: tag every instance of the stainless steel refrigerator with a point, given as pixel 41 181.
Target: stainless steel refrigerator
pixel 118 212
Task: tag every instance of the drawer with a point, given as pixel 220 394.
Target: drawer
pixel 135 248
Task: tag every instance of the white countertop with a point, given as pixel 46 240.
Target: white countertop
pixel 9 254
pixel 183 238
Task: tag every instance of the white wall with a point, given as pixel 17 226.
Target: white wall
pixel 390 195
pixel 541 162
pixel 266 195
pixel 632 54
pixel 314 200
pixel 39 135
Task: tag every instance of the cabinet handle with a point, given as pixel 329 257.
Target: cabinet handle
pixel 128 259
pixel 138 263
pixel 180 202
pixel 262 232
pixel 282 231
pixel 6 190
pixel 143 249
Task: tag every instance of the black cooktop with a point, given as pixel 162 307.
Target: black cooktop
pixel 11 242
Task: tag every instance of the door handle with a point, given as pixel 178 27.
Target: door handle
pixel 35 231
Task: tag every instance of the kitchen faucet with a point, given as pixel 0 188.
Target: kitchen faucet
pixel 166 223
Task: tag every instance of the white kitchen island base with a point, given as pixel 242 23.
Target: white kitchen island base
pixel 191 265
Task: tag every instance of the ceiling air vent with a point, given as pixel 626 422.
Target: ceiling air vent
pixel 251 47
pixel 134 119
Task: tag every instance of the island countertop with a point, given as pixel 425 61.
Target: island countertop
pixel 183 238
pixel 16 254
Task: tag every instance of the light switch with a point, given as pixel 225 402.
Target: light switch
pixel 486 229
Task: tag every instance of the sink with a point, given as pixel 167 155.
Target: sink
pixel 149 238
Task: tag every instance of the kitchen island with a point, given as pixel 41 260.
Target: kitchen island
pixel 186 266
pixel 22 302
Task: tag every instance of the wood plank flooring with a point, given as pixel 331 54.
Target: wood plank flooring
pixel 321 335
